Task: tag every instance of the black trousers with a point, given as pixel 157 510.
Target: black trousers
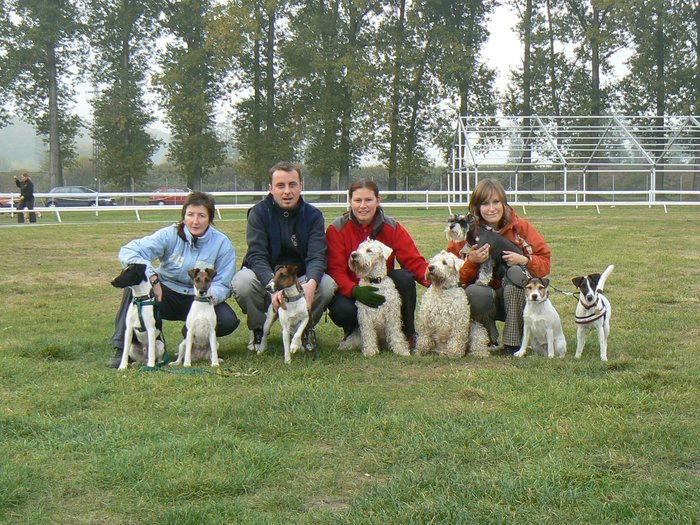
pixel 343 310
pixel 174 307
pixel 29 205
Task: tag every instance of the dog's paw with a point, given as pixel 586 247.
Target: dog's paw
pixel 520 353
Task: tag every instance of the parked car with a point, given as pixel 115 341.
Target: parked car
pixel 158 198
pixel 6 201
pixel 82 200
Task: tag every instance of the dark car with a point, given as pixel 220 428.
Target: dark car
pixel 84 196
pixel 157 196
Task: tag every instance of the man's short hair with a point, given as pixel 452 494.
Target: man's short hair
pixel 289 167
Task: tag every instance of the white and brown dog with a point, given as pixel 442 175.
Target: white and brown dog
pixel 142 338
pixel 293 312
pixel 443 318
pixel 593 310
pixel 542 325
pixel 200 342
pixel 368 261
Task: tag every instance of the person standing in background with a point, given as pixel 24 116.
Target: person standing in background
pixel 26 197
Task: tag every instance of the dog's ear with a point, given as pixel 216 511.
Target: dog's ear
pixel 386 251
pixel 545 281
pixel 193 273
pixel 577 281
pixel 457 262
pixel 278 267
pixel 211 272
pixel 594 277
pixel 451 218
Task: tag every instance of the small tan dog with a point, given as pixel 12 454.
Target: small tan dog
pixel 443 317
pixel 542 324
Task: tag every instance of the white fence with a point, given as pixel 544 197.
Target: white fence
pixel 425 199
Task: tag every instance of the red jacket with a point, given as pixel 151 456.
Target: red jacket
pixel 345 234
pixel 520 232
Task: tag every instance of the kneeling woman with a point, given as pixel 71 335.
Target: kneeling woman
pixel 192 242
pixel 502 300
pixel 365 220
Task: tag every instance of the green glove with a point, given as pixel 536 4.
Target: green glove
pixel 368 295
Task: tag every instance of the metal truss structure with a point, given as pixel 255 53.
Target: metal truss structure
pixel 577 159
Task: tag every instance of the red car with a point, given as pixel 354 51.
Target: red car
pixel 157 196
pixel 5 202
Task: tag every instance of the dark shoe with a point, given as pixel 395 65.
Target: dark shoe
pixel 509 349
pixel 255 340
pixel 114 361
pixel 308 339
pixel 412 341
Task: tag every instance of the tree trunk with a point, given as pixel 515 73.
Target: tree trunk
pixel 659 52
pixel 553 86
pixel 55 168
pixel 396 99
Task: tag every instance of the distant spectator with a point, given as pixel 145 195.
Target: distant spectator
pixel 26 197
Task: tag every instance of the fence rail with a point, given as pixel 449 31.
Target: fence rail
pixel 423 199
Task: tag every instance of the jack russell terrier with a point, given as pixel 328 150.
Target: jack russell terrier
pixel 142 338
pixel 293 312
pixel 593 311
pixel 200 341
pixel 542 330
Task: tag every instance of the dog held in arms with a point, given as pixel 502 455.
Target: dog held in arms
pixel 542 330
pixel 593 310
pixel 200 342
pixel 293 312
pixel 466 229
pixel 368 261
pixel 142 338
pixel 443 318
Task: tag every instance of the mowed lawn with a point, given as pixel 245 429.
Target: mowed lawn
pixel 345 439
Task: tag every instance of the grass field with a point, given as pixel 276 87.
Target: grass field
pixel 346 439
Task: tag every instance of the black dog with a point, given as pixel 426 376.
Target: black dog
pixel 479 235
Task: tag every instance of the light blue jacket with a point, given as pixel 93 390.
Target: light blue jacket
pixel 177 257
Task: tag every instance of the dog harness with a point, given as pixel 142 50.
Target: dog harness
pixel 203 299
pixel 600 311
pixel 146 300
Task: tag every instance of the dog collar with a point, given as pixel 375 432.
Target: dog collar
pixel 205 299
pixel 601 311
pixel 376 280
pixel 293 299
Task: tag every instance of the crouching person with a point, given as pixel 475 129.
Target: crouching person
pixel 192 242
pixel 283 229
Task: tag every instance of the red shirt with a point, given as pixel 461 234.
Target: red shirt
pixel 345 234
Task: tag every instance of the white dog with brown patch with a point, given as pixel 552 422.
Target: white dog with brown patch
pixel 200 341
pixel 542 331
pixel 443 317
pixel 368 261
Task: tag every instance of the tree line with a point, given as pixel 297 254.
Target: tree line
pixel 326 82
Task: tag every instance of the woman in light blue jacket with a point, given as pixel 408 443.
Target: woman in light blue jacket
pixel 191 243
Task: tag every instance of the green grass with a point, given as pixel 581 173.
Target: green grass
pixel 346 439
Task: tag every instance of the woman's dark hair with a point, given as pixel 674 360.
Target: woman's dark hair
pixel 482 192
pixel 366 184
pixel 199 198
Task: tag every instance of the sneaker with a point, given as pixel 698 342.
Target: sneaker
pixel 510 349
pixel 116 359
pixel 308 339
pixel 255 339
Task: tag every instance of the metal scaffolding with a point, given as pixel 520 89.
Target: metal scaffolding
pixel 576 159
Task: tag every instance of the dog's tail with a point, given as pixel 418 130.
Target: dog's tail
pixel 604 277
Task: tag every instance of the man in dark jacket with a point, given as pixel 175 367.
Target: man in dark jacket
pixel 26 197
pixel 283 229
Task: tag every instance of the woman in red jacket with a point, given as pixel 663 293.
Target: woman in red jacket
pixel 365 220
pixel 502 300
